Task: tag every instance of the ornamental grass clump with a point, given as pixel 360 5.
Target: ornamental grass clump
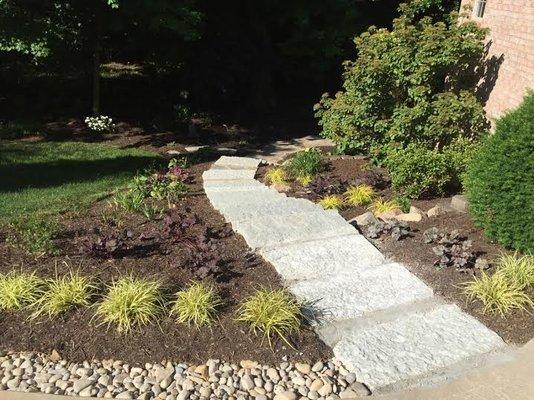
pixel 19 290
pixel 331 202
pixel 64 293
pixel 129 303
pixel 360 195
pixel 380 206
pixel 497 293
pixel 517 270
pixel 196 305
pixel 276 176
pixel 271 312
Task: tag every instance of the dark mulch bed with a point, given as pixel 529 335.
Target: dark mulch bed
pixel 76 336
pixel 517 327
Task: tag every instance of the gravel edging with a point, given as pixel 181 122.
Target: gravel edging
pixel 33 372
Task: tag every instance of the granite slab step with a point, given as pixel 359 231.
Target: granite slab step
pixel 228 174
pixel 362 291
pixel 325 257
pixel 228 162
pixel 214 186
pixel 413 345
pixel 271 231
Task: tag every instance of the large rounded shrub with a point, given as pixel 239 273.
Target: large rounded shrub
pixel 500 180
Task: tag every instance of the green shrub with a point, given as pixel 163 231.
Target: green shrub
pixel 129 303
pixel 272 312
pixel 413 84
pixel 35 235
pixel 276 176
pixel 64 293
pixel 305 163
pixel 499 182
pixel 196 305
pixel 19 290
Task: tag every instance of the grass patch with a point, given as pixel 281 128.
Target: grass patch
pixel 64 293
pixel 331 202
pixel 497 293
pixel 35 235
pixel 360 195
pixel 196 305
pixel 276 176
pixel 130 303
pixel 380 206
pixel 19 290
pixel 271 312
pixel 50 177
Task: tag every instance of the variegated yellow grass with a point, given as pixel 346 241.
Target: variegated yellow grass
pixel 359 195
pixel 19 290
pixel 331 202
pixel 196 305
pixel 380 206
pixel 64 293
pixel 272 312
pixel 276 176
pixel 129 303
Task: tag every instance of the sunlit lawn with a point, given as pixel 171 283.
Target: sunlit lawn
pixel 49 177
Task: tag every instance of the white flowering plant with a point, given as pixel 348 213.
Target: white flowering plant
pixel 100 123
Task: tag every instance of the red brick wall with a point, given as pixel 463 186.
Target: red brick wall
pixel 512 38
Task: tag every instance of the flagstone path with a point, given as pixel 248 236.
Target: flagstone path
pixel 381 321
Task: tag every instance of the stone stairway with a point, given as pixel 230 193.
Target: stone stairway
pixel 381 321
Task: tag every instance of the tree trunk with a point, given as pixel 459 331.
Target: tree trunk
pixel 96 65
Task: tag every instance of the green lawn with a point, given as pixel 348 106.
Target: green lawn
pixel 51 177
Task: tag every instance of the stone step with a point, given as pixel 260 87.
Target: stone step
pixel 214 186
pixel 325 257
pixel 228 162
pixel 271 231
pixel 280 206
pixel 228 174
pixel 361 291
pixel 412 346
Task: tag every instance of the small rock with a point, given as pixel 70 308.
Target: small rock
pixel 247 383
pixel 248 364
pixel 316 385
pixel 287 395
pixel 303 368
pixel 125 396
pixel 363 220
pixel 55 356
pixel 409 217
pixel 360 389
pixel 318 366
pixel 81 384
pixel 272 373
pixel 460 203
pixel 415 210
pixel 325 390
pixel 350 378
pixel 389 215
pixel 438 210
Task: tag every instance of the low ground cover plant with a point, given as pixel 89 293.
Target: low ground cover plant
pixel 101 123
pixel 499 181
pixel 196 305
pixel 130 303
pixel 332 202
pixel 453 249
pixel 273 312
pixel 35 234
pixel 64 293
pixel 359 195
pixel 306 163
pixel 396 229
pixel 19 290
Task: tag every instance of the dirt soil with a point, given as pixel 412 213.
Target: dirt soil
pixel 77 336
pixel 417 256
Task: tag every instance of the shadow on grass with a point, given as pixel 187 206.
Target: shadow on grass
pixel 56 173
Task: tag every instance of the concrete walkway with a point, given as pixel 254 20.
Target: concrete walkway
pixel 381 321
